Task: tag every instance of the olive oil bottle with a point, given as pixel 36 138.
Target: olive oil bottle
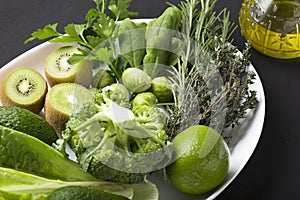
pixel 272 26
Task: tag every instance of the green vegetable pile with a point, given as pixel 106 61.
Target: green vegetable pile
pixel 151 82
pixel 116 141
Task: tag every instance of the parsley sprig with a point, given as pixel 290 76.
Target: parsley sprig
pixel 100 26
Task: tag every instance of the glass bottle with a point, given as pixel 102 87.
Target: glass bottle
pixel 272 26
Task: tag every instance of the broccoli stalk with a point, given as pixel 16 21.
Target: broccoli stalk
pixel 116 143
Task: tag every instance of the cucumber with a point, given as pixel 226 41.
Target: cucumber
pixel 82 193
pixel 27 122
pixel 23 152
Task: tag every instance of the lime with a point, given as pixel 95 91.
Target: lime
pixel 202 160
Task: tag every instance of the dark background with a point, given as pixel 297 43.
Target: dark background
pixel 273 172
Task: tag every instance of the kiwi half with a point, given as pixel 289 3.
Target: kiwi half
pixel 24 87
pixel 58 70
pixel 61 100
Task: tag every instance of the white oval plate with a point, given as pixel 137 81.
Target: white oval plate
pixel 241 151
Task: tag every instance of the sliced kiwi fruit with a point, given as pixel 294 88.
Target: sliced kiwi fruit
pixel 59 70
pixel 63 99
pixel 24 87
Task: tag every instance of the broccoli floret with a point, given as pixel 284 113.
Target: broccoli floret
pixel 114 143
pixel 151 117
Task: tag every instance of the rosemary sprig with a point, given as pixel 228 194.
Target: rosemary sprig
pixel 212 88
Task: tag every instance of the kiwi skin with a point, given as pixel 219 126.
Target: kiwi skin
pixel 53 116
pixel 34 107
pixel 82 76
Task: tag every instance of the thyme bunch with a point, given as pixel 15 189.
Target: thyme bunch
pixel 212 77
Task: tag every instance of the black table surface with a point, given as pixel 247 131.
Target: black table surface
pixel 273 171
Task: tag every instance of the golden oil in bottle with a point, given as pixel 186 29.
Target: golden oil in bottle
pixel 272 26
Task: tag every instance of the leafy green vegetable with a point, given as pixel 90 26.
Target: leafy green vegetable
pixel 74 33
pixel 41 34
pixel 102 54
pixel 27 153
pixel 115 143
pixel 18 185
pixel 120 10
pixel 162 46
pixel 132 42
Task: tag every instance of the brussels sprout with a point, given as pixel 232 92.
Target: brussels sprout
pixel 145 99
pixel 162 88
pixel 103 78
pixel 136 80
pixel 116 90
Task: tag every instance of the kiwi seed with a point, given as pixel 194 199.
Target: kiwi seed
pixel 59 70
pixel 24 87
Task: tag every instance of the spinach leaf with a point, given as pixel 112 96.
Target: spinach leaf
pixel 132 42
pixel 160 42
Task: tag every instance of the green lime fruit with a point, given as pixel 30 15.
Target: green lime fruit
pixel 201 162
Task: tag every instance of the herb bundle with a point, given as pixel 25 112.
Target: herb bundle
pixel 213 89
